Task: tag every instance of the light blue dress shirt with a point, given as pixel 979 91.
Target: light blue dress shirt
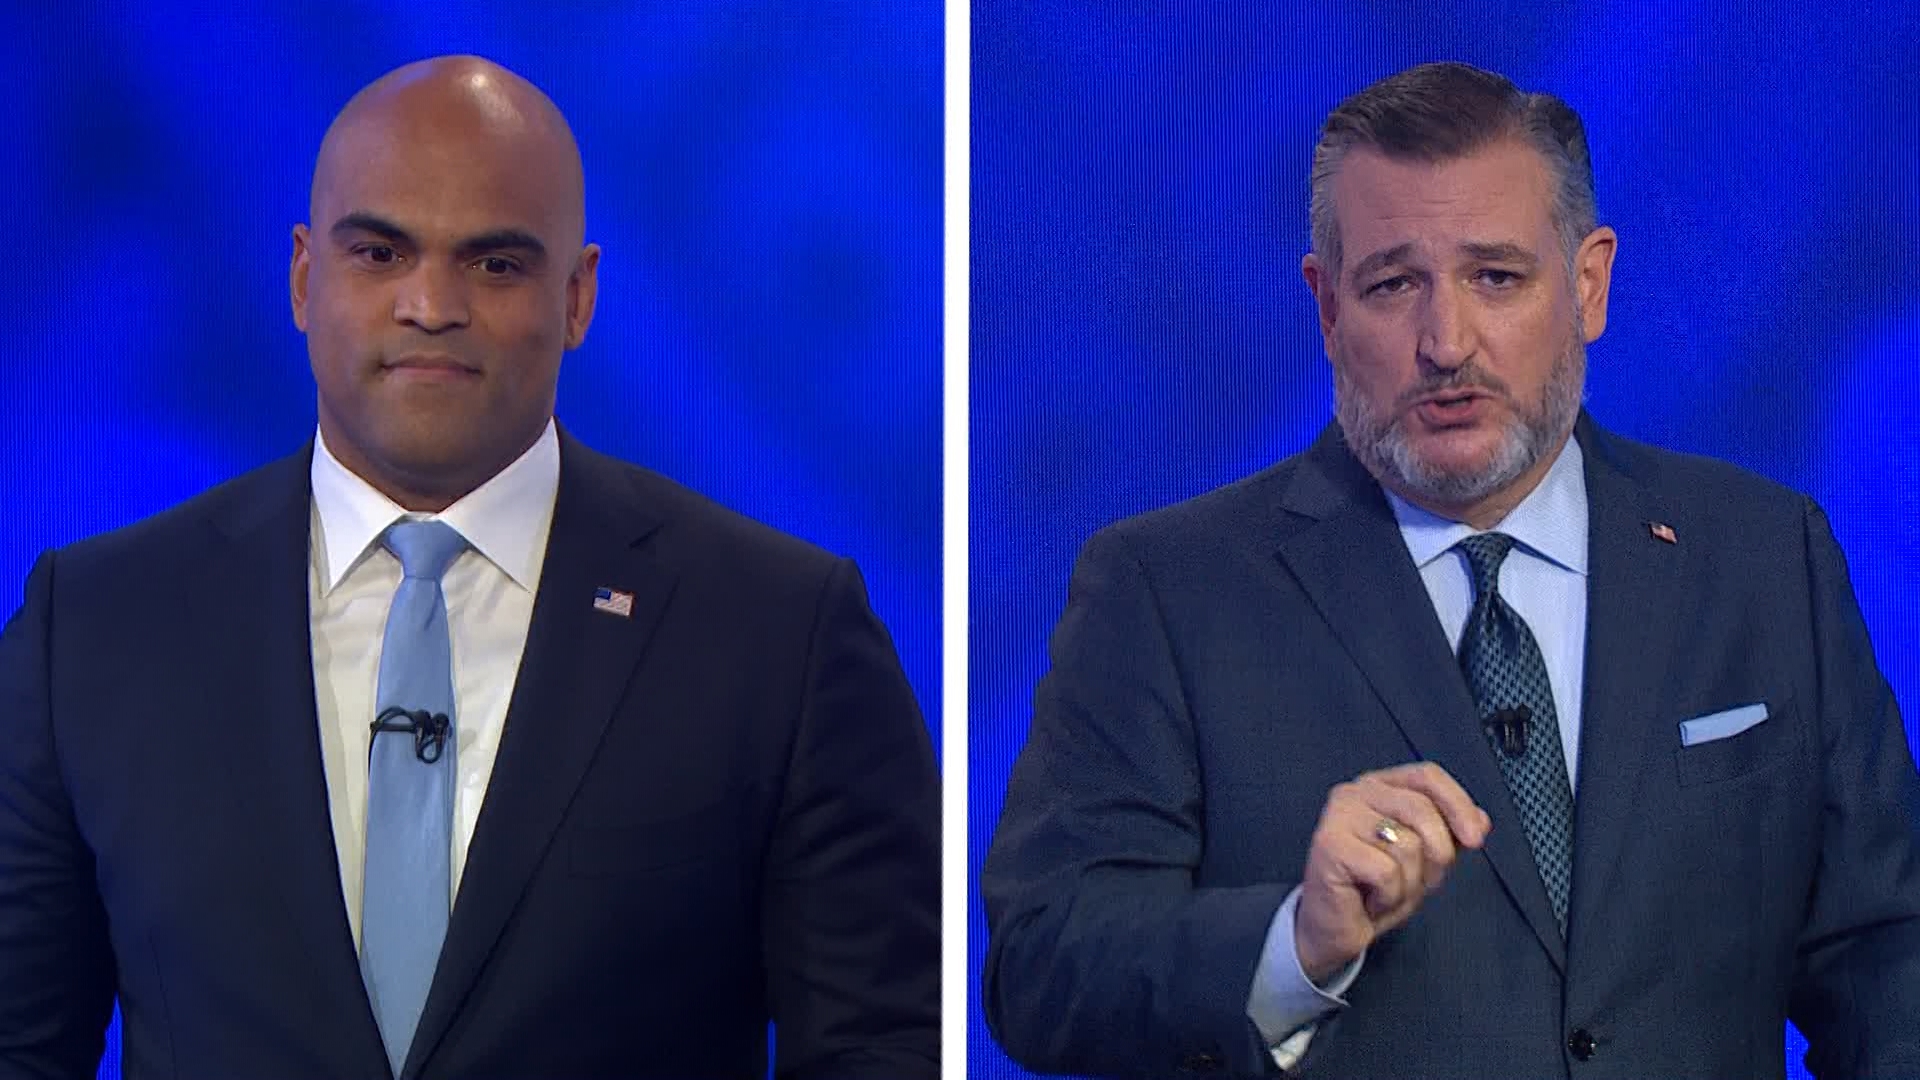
pixel 1545 580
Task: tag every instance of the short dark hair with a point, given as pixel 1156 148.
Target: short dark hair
pixel 1440 112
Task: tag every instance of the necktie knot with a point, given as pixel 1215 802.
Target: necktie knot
pixel 425 548
pixel 1485 552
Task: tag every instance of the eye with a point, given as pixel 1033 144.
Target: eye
pixel 1499 279
pixel 498 266
pixel 378 254
pixel 1392 286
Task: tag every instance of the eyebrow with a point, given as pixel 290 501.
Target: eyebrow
pixel 1380 260
pixel 362 222
pixel 1500 251
pixel 508 239
pixel 501 240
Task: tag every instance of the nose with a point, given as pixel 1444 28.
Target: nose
pixel 1447 335
pixel 432 298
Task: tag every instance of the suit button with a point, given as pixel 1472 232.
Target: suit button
pixel 1581 1044
pixel 1200 1063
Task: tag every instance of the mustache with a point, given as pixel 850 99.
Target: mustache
pixel 1462 378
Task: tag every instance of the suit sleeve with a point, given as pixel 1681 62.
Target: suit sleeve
pixel 1103 956
pixel 1857 994
pixel 851 909
pixel 56 965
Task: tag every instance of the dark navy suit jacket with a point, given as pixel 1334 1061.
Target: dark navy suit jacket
pixel 720 810
pixel 1225 662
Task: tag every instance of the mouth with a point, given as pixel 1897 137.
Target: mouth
pixel 429 366
pixel 1451 408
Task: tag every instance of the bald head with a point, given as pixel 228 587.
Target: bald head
pixel 466 100
pixel 442 276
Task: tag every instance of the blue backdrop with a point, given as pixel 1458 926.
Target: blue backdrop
pixel 765 179
pixel 1141 333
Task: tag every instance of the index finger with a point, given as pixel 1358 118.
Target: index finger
pixel 1464 817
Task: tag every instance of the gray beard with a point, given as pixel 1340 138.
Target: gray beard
pixel 1378 437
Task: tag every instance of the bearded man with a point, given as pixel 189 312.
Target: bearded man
pixel 1473 740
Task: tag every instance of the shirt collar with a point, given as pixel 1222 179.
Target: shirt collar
pixel 1551 521
pixel 504 519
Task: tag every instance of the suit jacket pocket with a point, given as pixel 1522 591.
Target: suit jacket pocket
pixel 623 848
pixel 1766 743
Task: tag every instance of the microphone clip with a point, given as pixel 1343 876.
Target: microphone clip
pixel 1508 728
pixel 429 730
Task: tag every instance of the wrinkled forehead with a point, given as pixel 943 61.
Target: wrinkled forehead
pixel 1500 194
pixel 450 167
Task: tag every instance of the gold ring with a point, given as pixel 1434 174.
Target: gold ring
pixel 1387 831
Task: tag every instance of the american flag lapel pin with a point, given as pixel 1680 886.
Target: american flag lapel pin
pixel 613 602
pixel 1662 531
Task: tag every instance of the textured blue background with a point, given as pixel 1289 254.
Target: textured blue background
pixel 765 179
pixel 1141 333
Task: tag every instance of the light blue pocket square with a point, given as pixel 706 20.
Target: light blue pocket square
pixel 1720 725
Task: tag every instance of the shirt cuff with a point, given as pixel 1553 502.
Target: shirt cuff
pixel 1284 1003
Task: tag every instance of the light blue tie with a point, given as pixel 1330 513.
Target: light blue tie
pixel 403 911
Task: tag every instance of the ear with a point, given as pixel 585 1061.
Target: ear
pixel 583 287
pixel 297 275
pixel 1324 283
pixel 1592 274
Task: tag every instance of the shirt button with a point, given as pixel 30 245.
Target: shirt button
pixel 1581 1043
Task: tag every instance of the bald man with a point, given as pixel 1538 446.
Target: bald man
pixel 447 747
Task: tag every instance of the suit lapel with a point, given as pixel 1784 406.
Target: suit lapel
pixel 1354 566
pixel 577 663
pixel 261 740
pixel 1635 594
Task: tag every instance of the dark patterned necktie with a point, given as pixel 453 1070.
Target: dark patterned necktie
pixel 1509 682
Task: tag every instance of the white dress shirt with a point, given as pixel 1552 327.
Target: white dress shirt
pixel 489 589
pixel 1544 580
